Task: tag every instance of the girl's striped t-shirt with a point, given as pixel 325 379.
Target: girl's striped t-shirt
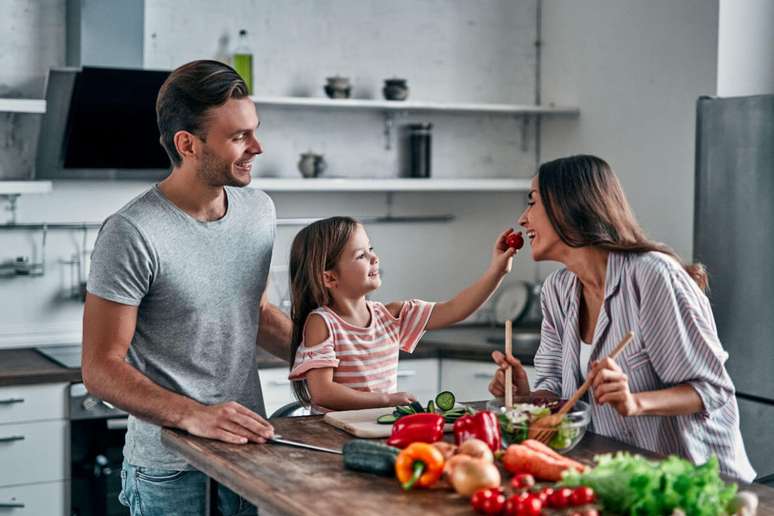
pixel 365 358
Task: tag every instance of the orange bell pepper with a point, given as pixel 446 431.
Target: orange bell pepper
pixel 420 465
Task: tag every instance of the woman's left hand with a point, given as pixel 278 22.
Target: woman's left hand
pixel 611 385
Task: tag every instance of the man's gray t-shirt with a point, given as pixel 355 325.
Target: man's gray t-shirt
pixel 197 286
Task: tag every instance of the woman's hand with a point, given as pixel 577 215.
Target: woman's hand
pixel 611 385
pixel 520 380
pixel 502 255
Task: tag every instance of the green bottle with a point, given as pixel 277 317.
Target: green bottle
pixel 243 60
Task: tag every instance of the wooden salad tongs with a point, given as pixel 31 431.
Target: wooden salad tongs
pixel 544 428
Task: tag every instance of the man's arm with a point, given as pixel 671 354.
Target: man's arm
pixel 108 328
pixel 275 330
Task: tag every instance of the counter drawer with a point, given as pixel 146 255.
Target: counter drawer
pixel 33 402
pixel 35 499
pixel 469 379
pixel 35 452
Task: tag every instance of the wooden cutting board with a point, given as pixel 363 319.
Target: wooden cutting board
pixel 362 423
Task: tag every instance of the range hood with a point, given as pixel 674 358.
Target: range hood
pixel 100 120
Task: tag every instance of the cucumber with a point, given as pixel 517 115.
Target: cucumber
pixel 386 419
pixel 370 457
pixel 418 408
pixel 445 400
pixel 431 406
pixel 405 410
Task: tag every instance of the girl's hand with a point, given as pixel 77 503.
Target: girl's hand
pixel 611 385
pixel 502 254
pixel 399 398
pixel 520 380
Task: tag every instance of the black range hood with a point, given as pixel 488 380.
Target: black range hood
pixel 100 123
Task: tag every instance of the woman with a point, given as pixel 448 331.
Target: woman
pixel 668 391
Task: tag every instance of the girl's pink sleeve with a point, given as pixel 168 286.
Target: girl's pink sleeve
pixel 316 357
pixel 414 316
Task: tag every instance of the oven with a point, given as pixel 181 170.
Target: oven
pixel 97 431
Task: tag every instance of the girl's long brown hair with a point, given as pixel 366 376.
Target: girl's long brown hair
pixel 587 207
pixel 315 249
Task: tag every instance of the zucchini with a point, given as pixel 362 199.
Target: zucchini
pixel 370 457
pixel 445 400
pixel 386 419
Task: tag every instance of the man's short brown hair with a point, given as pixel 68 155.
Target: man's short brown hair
pixel 187 94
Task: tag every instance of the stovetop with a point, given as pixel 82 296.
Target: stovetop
pixel 66 356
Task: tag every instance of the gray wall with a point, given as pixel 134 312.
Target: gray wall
pixel 457 50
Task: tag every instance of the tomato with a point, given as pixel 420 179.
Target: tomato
pixel 522 481
pixel 560 498
pixel 514 240
pixel 530 506
pixel 544 494
pixel 582 495
pixel 488 501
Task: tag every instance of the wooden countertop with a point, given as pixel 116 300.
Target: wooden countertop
pixel 286 480
pixel 27 366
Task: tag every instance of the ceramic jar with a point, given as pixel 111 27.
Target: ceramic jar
pixel 395 89
pixel 311 164
pixel 338 87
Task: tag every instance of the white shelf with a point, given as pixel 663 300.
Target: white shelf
pixel 389 185
pixel 24 187
pixel 22 106
pixel 411 105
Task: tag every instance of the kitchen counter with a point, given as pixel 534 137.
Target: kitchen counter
pixel 286 480
pixel 27 366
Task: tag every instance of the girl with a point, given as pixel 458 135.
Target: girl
pixel 669 390
pixel 344 349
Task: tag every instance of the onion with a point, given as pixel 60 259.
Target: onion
pixel 447 449
pixel 477 449
pixel 453 462
pixel 471 475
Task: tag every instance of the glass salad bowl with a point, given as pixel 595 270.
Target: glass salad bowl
pixel 515 423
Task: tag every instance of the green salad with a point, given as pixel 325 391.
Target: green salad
pixel 631 484
pixel 514 425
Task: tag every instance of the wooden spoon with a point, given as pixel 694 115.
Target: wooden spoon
pixel 544 428
pixel 509 371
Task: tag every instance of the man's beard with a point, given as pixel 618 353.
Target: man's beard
pixel 216 172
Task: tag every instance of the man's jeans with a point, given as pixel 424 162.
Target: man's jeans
pixel 165 492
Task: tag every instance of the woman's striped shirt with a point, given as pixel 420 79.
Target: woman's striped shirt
pixel 675 343
pixel 365 358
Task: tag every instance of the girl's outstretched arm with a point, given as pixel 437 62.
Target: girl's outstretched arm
pixel 466 302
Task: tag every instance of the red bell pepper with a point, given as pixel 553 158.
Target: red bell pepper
pixel 422 428
pixel 481 425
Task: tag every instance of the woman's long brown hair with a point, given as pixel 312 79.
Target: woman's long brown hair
pixel 315 249
pixel 587 207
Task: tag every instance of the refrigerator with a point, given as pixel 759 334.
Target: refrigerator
pixel 734 238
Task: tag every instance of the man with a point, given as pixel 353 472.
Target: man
pixel 176 297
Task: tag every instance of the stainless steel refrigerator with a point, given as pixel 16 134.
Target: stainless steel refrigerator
pixel 734 238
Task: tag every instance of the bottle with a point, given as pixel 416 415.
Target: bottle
pixel 243 60
pixel 420 147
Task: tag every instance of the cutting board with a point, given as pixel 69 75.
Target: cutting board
pixel 362 423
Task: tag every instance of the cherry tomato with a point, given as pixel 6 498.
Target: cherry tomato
pixel 488 501
pixel 544 494
pixel 530 506
pixel 560 498
pixel 522 481
pixel 582 495
pixel 512 504
pixel 515 240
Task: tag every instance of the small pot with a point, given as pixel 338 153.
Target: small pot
pixel 338 87
pixel 395 89
pixel 311 164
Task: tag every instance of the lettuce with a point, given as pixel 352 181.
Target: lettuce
pixel 631 484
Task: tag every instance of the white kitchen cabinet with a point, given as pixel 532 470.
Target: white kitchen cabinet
pixel 469 379
pixel 47 498
pixel 34 450
pixel 275 387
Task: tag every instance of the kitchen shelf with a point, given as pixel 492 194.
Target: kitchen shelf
pixel 412 105
pixel 389 185
pixel 22 106
pixel 24 187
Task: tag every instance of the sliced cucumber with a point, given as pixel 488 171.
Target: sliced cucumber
pixel 386 419
pixel 405 410
pixel 445 400
pixel 430 406
pixel 418 408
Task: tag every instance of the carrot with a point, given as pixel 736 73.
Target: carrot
pixel 542 448
pixel 522 459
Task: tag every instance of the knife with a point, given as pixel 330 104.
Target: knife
pixel 279 440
